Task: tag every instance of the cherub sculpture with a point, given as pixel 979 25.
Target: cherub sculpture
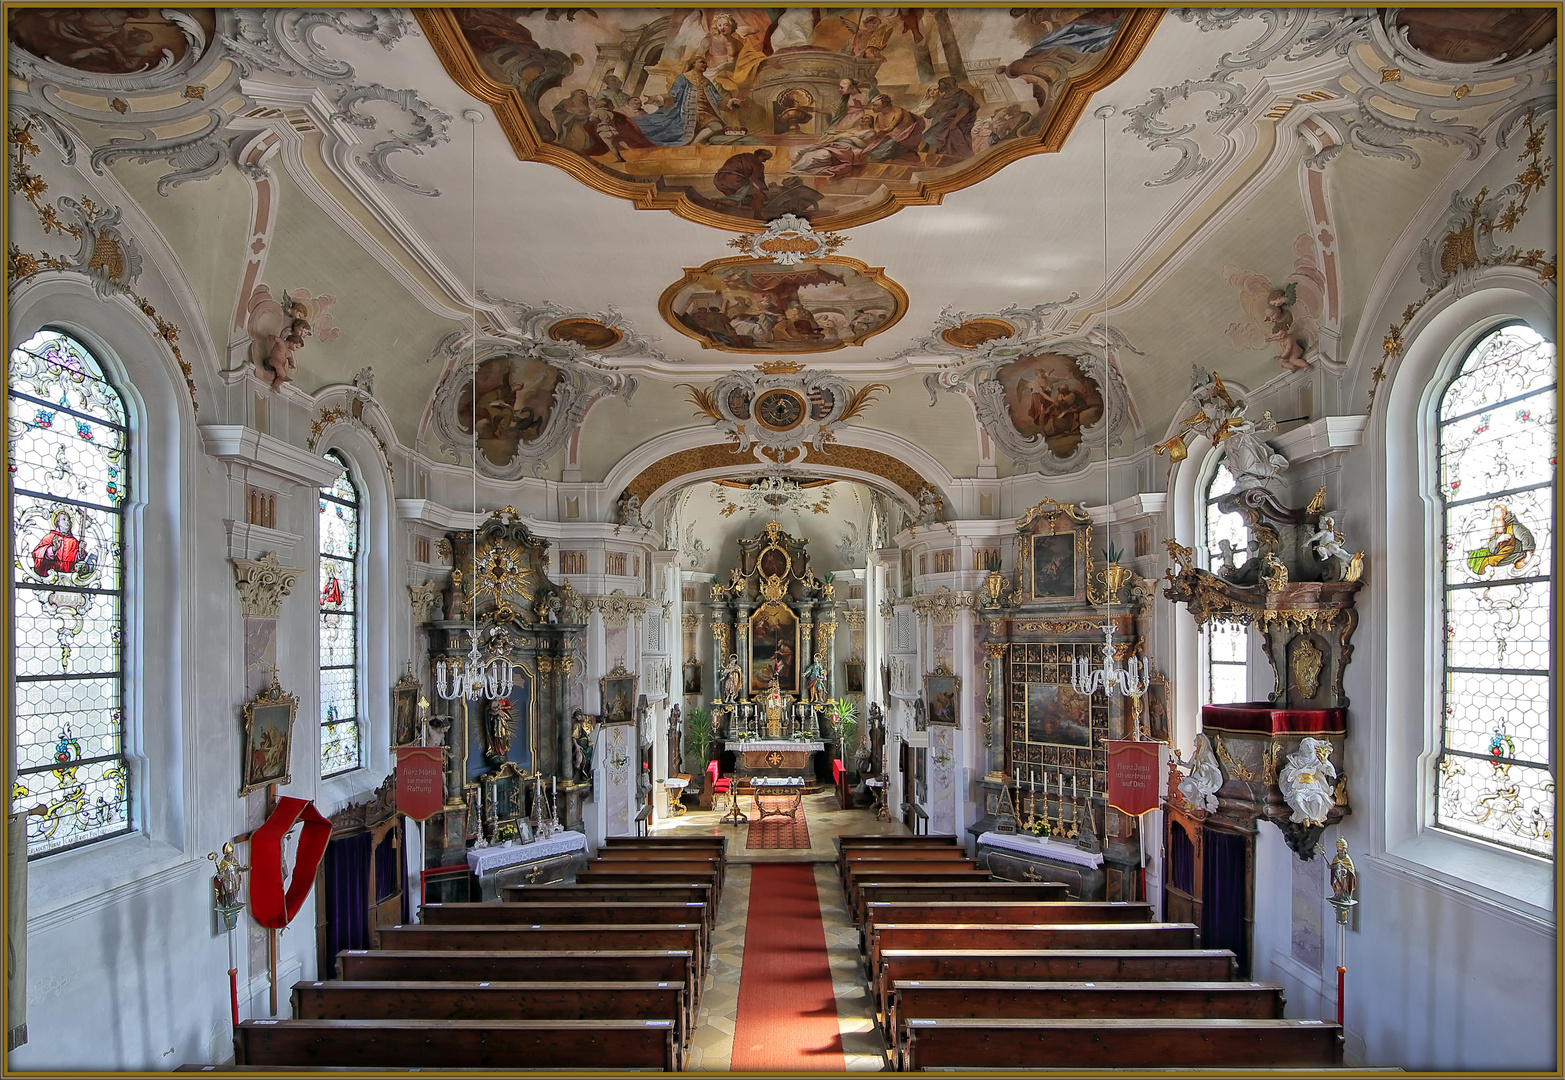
pixel 630 511
pixel 1326 543
pixel 1306 783
pixel 928 508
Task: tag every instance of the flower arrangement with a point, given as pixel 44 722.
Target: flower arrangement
pixel 506 832
pixel 1039 828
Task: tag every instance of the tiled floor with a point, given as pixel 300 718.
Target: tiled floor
pixel 713 1040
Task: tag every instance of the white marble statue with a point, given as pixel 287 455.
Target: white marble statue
pixel 1306 783
pixel 1199 787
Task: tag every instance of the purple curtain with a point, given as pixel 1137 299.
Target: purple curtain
pixel 1222 896
pixel 1181 859
pixel 347 863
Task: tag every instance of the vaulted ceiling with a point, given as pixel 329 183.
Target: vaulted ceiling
pixel 1236 209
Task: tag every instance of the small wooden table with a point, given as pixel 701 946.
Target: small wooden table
pixel 675 786
pixel 791 788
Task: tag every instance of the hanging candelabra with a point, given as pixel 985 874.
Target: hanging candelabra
pixel 475 676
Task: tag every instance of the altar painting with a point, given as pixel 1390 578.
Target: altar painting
pixel 1054 566
pixel 1048 396
pixel 107 41
pixel 1057 714
pixel 733 116
pixel 515 397
pixel 774 649
pixel 501 730
pixel 745 305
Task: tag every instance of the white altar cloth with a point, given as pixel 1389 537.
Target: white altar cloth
pixel 1042 845
pixel 748 745
pixel 484 861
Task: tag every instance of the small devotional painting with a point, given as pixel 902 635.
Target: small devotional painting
pixel 268 739
pixel 515 396
pixel 733 116
pixel 1049 397
pixel 746 305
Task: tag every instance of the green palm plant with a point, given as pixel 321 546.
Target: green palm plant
pixel 845 721
pixel 699 734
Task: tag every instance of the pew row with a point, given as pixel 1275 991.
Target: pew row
pixel 979 936
pixel 541 937
pixel 925 892
pixel 459 1044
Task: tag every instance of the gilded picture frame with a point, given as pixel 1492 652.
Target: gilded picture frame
pixel 617 692
pixel 1054 553
pixel 943 697
pixel 692 678
pixel 853 676
pixel 268 739
pixel 404 711
pixel 474 801
pixel 504 797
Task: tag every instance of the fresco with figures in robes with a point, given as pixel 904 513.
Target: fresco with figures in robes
pixel 741 115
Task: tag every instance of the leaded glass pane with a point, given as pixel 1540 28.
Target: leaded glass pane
pixel 68 445
pixel 1496 475
pixel 1227 646
pixel 338 599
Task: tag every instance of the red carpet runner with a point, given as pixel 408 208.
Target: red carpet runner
pixel 787 1019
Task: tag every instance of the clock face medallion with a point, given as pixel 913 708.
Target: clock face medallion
pixel 779 410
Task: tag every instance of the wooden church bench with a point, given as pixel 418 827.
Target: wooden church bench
pixel 641 843
pixel 1142 1043
pixel 980 936
pixel 672 892
pixel 919 1000
pixel 469 1000
pixel 1051 965
pixel 459 1044
pixel 616 965
pixel 602 914
pixel 919 892
pixel 696 860
pixel 543 937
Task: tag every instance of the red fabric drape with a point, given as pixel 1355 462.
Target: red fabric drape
pixel 271 906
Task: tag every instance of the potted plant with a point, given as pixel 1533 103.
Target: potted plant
pixel 698 739
pixel 845 723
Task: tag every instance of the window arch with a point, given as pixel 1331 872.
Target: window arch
pixel 1493 470
pixel 1224 646
pixel 69 452
pixel 341 732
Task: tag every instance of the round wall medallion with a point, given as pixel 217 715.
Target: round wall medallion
pixel 974 332
pixel 588 333
pixel 779 410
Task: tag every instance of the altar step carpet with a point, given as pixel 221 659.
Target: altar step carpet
pixel 787 1018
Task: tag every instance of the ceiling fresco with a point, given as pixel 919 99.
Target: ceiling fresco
pixel 735 117
pixel 747 306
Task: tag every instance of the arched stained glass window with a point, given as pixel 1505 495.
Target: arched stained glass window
pixel 1226 644
pixel 69 445
pixel 339 614
pixel 1496 466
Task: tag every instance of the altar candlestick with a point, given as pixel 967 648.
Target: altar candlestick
pixel 1092 787
pixel 1073 785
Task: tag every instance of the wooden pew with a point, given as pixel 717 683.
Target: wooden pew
pixel 459 1044
pixel 906 839
pixel 595 873
pixel 416 1000
pixel 1052 965
pixel 671 893
pixel 920 892
pixel 861 873
pixel 1141 1043
pixel 979 936
pixel 857 856
pixel 542 937
pixel 537 966
pixel 602 914
pixel 696 860
pixel 920 1000
pixel 1011 913
pixel 720 843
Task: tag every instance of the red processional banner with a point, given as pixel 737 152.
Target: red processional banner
pixel 1136 771
pixel 271 904
pixel 421 783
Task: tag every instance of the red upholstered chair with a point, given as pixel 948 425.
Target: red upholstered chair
pixel 719 786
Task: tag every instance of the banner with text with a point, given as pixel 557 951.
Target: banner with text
pixel 1135 772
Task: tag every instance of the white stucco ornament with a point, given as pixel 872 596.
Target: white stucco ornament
pixel 1199 787
pixel 788 241
pixel 1306 783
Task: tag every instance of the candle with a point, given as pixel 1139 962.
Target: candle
pixel 1092 787
pixel 1073 785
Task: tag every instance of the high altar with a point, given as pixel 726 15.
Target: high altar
pixel 773 627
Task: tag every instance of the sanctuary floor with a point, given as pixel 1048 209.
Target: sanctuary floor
pixel 713 1042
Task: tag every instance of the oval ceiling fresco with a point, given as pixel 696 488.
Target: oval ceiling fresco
pixel 107 41
pixel 734 116
pixel 749 305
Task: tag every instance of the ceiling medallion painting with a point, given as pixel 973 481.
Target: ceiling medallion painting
pixel 519 406
pixel 114 41
pixel 732 117
pixel 780 412
pixel 748 306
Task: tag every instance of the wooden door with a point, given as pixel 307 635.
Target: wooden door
pixel 387 875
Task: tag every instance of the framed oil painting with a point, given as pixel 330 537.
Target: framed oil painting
pixel 505 797
pixel 1057 715
pixel 942 691
pixel 853 676
pixel 1054 548
pixel 404 710
pixel 774 648
pixel 618 689
pixel 268 740
pixel 692 677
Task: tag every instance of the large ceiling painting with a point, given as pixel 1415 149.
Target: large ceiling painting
pixel 111 41
pixel 735 116
pixel 749 306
